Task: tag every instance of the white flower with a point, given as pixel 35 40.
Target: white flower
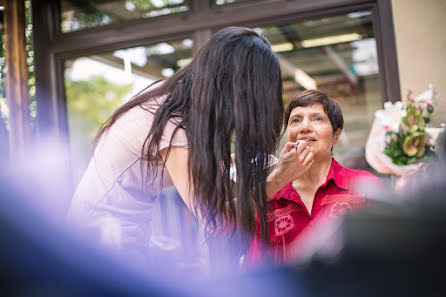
pixel 429 96
pixel 390 116
pixel 432 134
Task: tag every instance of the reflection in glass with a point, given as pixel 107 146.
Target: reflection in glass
pixel 4 110
pixel 79 15
pixel 96 85
pixel 223 2
pixel 336 55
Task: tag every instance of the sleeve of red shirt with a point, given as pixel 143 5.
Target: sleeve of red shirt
pixel 365 184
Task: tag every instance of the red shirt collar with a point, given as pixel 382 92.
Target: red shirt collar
pixel 336 173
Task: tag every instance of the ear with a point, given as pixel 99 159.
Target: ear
pixel 337 134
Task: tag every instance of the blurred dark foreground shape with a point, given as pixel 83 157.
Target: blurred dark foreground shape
pixel 396 248
pixel 393 249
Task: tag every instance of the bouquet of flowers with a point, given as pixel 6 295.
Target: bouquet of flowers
pixel 400 135
pixel 406 143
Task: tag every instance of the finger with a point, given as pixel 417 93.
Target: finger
pixel 303 151
pixel 301 147
pixel 288 147
pixel 309 159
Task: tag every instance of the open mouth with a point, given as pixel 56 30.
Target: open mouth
pixel 309 139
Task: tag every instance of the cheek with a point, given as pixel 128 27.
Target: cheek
pixel 326 133
pixel 291 134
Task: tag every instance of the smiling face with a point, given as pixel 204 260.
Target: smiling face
pixel 311 124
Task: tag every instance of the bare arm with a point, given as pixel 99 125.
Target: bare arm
pixel 176 165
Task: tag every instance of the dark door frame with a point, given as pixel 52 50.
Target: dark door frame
pixel 52 47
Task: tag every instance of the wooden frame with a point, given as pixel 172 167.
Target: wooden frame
pixel 52 47
pixel 386 47
pixel 17 80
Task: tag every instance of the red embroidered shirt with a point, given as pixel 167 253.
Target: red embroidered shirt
pixel 288 216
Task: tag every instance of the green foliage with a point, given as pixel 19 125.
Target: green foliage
pixel 90 14
pixel 146 5
pixel 90 102
pixel 414 120
pixel 395 150
pixel 87 17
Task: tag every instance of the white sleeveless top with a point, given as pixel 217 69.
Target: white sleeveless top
pixel 113 199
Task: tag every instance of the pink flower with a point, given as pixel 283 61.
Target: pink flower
pixel 411 100
pixel 409 91
pixel 424 105
pixel 386 127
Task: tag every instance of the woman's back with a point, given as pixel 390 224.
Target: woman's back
pixel 114 197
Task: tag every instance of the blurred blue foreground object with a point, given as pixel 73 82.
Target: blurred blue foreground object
pixel 392 249
pixel 40 258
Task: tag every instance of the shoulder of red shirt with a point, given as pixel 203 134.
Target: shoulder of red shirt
pixel 348 176
pixel 344 178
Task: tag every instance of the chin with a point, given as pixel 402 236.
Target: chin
pixel 322 156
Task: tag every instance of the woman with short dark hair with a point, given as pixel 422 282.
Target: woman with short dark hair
pixel 323 191
pixel 310 97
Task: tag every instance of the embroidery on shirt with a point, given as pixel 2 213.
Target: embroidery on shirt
pixel 280 212
pixel 283 221
pixel 338 198
pixel 283 224
pixel 339 209
pixel 339 204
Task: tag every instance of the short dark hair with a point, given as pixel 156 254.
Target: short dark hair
pixel 310 97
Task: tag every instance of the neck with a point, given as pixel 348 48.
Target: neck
pixel 316 175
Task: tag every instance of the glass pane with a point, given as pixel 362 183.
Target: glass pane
pixel 4 112
pixel 223 2
pixel 96 85
pixel 78 15
pixel 336 55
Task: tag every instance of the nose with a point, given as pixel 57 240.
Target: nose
pixel 306 126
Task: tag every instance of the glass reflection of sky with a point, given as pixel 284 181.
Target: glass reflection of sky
pixel 365 58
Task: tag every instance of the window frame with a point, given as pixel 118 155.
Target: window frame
pixel 52 47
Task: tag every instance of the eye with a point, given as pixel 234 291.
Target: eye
pixel 295 120
pixel 318 119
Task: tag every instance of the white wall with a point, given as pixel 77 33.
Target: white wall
pixel 420 32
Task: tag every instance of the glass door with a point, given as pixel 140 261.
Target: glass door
pixel 336 55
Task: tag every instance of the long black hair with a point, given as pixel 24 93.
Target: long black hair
pixel 230 95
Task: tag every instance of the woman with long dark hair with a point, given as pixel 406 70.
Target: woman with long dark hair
pixel 180 132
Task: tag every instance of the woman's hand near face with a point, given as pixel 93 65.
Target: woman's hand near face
pixel 295 160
